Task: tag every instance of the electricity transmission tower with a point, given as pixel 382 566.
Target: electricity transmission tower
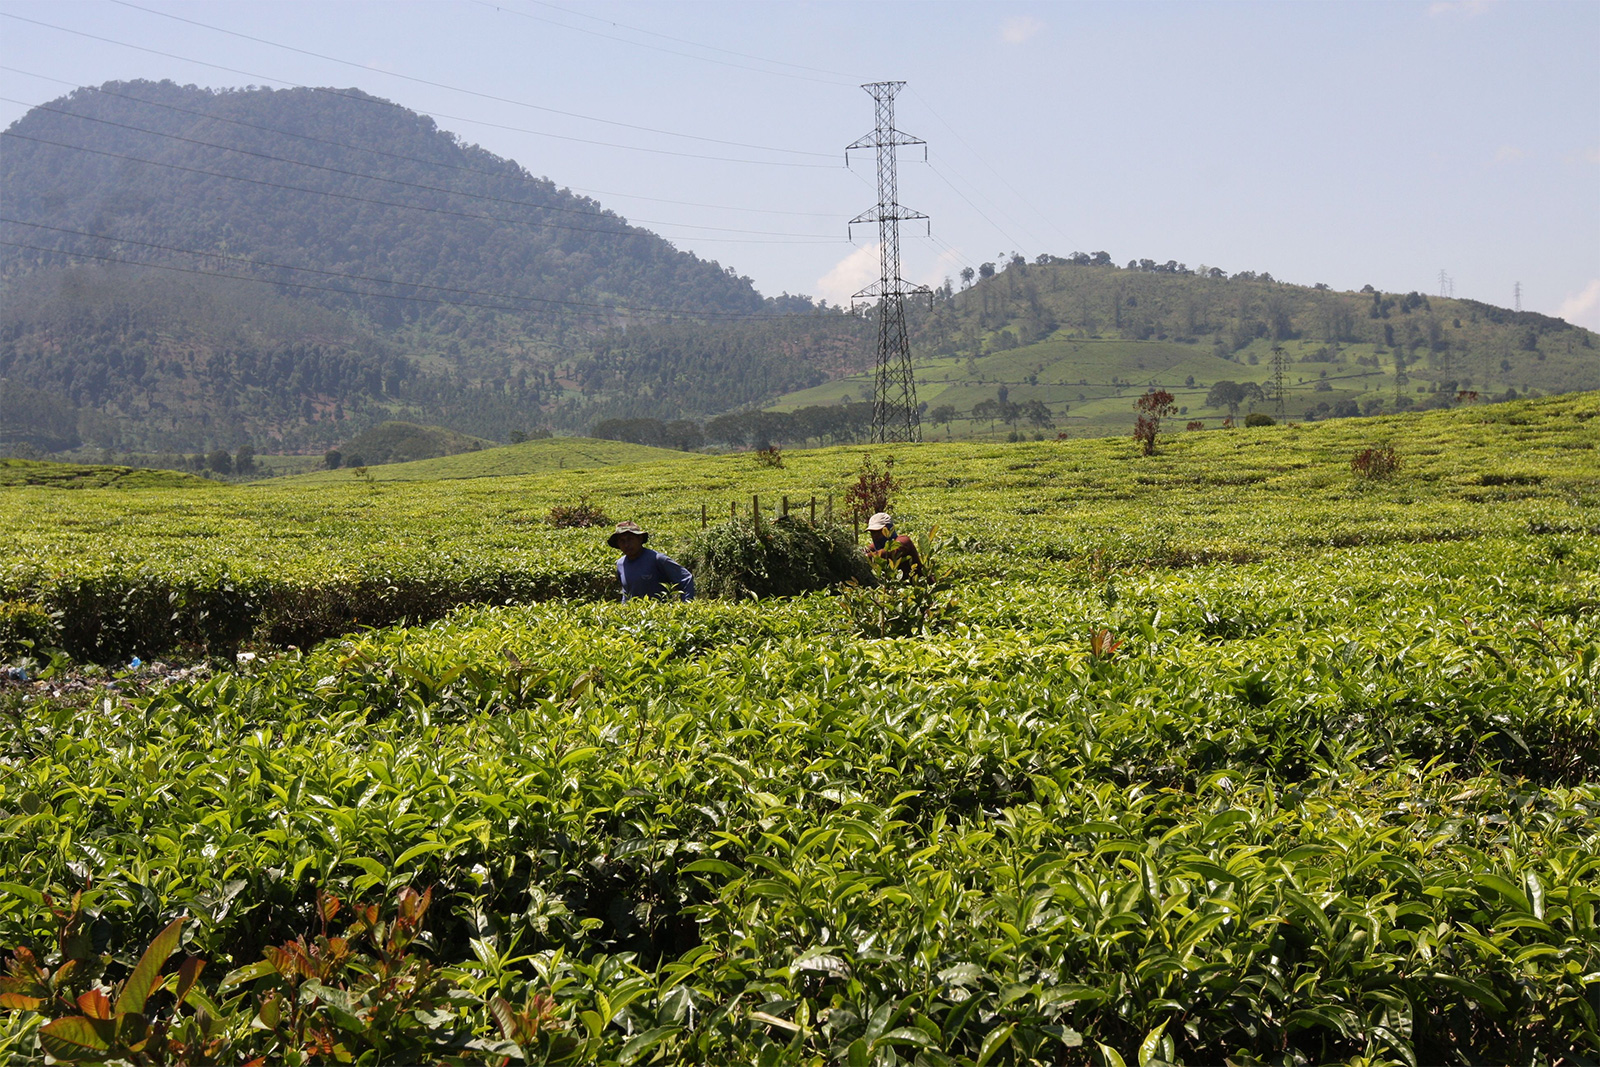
pixel 894 400
pixel 1278 361
pixel 1516 296
pixel 1447 284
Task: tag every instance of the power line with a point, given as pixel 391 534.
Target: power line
pixel 390 203
pixel 467 92
pixel 696 44
pixel 365 99
pixel 588 305
pixel 397 181
pixel 980 157
pixel 998 228
pixel 652 47
pixel 520 176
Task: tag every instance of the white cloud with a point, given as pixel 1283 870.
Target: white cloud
pixel 1507 154
pixel 850 275
pixel 1018 28
pixel 1583 308
pixel 1468 8
pixel 948 265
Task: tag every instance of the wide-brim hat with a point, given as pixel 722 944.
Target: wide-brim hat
pixel 627 528
pixel 880 521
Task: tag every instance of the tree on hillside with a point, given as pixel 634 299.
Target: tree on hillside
pixel 1152 408
pixel 1038 413
pixel 1232 395
pixel 943 415
pixel 987 409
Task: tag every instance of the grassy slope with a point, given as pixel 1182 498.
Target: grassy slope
pixel 1073 368
pixel 45 474
pixel 530 457
pixel 1213 494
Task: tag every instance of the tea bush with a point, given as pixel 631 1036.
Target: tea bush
pixel 1218 758
pixel 1375 464
pixel 579 514
pixel 782 557
pixel 24 627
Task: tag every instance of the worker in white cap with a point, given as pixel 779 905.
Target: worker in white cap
pixel 886 544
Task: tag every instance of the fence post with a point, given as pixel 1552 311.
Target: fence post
pixel 733 511
pixel 702 516
pixel 813 509
pixel 755 510
pixel 786 505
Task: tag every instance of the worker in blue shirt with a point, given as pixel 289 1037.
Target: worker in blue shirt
pixel 644 571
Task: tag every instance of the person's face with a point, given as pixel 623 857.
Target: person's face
pixel 631 544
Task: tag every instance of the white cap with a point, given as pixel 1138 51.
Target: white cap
pixel 880 521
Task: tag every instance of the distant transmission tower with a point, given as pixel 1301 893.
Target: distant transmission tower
pixel 1447 284
pixel 1516 296
pixel 894 401
pixel 1278 362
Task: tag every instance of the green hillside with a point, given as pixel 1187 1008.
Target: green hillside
pixel 45 474
pixel 330 260
pixel 1086 340
pixel 543 456
pixel 191 270
pixel 405 442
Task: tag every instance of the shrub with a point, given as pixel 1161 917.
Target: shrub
pixel 1259 418
pixel 24 626
pixel 874 488
pixel 1375 464
pixel 1152 408
pixel 577 515
pixel 784 557
pixel 771 456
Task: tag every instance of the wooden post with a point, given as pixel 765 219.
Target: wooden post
pixel 703 516
pixel 733 511
pixel 786 505
pixel 813 509
pixel 855 521
pixel 755 509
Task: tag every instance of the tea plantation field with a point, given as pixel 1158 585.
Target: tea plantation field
pixel 1219 755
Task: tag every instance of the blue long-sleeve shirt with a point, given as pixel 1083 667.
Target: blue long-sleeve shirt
pixel 653 574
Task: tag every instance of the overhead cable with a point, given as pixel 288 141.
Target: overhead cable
pixel 470 92
pixel 681 40
pixel 366 99
pixel 397 181
pixel 981 158
pixel 653 47
pixel 391 203
pixel 520 176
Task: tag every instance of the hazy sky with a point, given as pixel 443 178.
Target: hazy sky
pixel 1344 143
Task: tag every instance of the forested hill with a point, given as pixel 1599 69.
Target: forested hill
pixel 334 180
pixel 414 275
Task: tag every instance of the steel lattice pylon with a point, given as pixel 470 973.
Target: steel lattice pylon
pixel 894 404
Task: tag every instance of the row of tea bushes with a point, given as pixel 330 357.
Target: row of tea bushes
pixel 1355 818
